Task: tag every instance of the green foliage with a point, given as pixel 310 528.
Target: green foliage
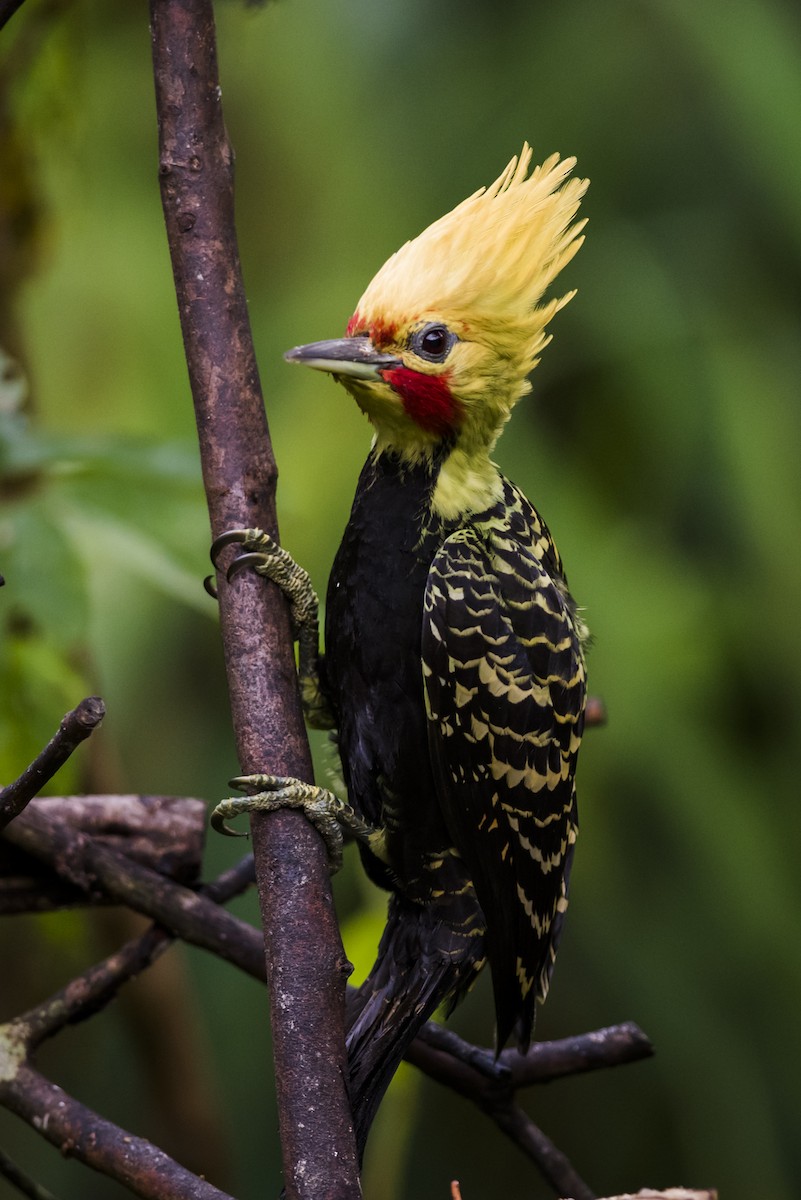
pixel 72 508
pixel 662 445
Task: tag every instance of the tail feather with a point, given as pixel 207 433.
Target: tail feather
pixel 423 961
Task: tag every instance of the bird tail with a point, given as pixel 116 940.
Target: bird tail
pixel 424 959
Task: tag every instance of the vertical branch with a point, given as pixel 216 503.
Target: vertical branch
pixel 306 964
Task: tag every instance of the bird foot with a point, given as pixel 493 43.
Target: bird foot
pixel 331 816
pixel 263 554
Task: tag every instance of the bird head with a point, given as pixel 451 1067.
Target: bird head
pixel 442 342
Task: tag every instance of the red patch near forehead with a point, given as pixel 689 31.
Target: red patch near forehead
pixel 427 399
pixel 381 333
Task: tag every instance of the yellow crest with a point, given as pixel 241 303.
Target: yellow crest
pixel 490 260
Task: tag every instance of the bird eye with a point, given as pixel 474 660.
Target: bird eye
pixel 433 342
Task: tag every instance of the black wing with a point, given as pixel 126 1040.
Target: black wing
pixel 505 687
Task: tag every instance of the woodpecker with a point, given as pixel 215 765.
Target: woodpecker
pixel 454 669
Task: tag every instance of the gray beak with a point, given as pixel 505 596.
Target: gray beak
pixel 353 356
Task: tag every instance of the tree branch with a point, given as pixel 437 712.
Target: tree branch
pixel 476 1074
pixel 165 833
pixel 96 987
pixel 470 1070
pixel 554 1165
pixel 75 1129
pixel 188 914
pixel 74 728
pixel 306 963
pixel 80 1133
pixel 493 1085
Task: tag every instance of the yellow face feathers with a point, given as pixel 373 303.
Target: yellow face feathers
pixel 485 266
pixel 442 341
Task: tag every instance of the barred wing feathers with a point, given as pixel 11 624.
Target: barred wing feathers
pixel 504 679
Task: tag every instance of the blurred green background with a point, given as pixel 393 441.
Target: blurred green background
pixel 662 444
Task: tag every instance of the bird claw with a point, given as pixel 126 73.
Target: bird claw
pixel 253 540
pixel 257 559
pixel 263 554
pixel 268 793
pixel 243 537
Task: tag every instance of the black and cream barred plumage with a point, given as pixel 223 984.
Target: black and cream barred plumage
pixel 455 672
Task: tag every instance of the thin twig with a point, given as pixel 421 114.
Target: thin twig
pixel 92 990
pixel 75 727
pixel 21 1180
pixel 96 987
pixel 306 963
pixel 610 1047
pixel 472 1071
pixel 554 1165
pixel 482 1059
pixel 231 882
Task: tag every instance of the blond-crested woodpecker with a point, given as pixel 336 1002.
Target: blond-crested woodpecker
pixel 454 666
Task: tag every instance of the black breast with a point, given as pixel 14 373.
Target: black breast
pixel 372 639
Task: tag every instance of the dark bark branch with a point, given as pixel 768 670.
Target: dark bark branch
pixel 306 963
pixel 232 882
pixel 98 986
pixel 78 1132
pixel 553 1164
pixel 195 916
pixel 94 867
pixel 74 728
pixel 474 1073
pixel 92 990
pixel 469 1070
pixel 610 1047
pixel 165 833
pixel 466 1069
pixel 492 1085
pixel 435 1043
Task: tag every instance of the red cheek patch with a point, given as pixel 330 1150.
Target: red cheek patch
pixel 427 399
